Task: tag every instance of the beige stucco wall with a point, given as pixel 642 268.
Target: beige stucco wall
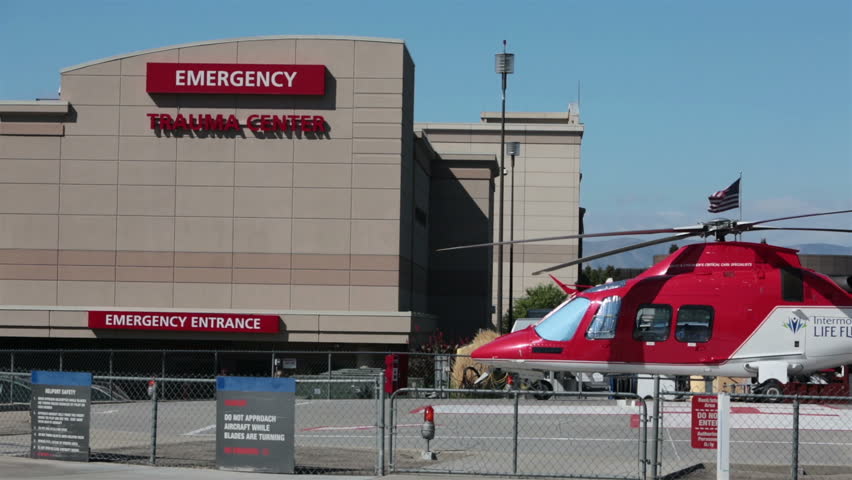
pixel 547 187
pixel 113 213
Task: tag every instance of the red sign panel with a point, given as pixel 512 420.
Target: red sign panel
pixel 179 321
pixel 705 412
pixel 249 79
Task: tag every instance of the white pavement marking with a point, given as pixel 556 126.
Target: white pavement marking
pixel 198 431
pixel 671 439
pixel 632 440
pixel 105 412
pixel 356 427
pixel 814 417
pixel 546 439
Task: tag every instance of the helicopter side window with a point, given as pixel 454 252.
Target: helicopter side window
pixel 653 323
pixel 603 323
pixel 561 324
pixel 694 323
pixel 792 288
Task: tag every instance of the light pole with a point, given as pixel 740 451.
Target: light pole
pixel 513 149
pixel 504 64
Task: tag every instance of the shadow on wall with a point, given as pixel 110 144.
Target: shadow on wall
pixel 460 281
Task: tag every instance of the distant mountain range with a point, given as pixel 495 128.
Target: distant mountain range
pixel 644 257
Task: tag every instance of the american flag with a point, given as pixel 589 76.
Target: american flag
pixel 725 199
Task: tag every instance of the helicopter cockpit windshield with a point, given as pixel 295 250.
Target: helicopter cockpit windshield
pixel 562 323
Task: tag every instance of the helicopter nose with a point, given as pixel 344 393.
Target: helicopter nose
pixel 510 347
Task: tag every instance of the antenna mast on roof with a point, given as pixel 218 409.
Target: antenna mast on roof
pixel 578 95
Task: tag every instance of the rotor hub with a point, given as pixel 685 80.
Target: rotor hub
pixel 720 228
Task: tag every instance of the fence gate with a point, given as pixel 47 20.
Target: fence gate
pixel 496 432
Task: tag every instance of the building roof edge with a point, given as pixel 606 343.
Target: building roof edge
pixel 230 40
pixel 43 107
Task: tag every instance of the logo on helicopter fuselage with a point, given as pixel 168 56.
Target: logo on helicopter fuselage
pixel 795 323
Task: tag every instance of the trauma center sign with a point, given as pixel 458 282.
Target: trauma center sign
pixel 227 78
pixel 178 321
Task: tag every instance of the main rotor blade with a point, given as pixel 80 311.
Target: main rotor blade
pixel 691 229
pixel 618 250
pixel 747 224
pixel 769 227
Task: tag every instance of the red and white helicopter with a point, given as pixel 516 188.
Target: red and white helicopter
pixel 715 309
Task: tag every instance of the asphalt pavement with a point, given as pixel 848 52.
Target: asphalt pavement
pixel 19 468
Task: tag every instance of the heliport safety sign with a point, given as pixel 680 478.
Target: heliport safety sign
pixel 705 412
pixel 255 420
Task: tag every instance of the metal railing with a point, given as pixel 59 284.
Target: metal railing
pixel 424 369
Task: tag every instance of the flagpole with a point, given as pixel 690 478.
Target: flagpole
pixel 741 196
pixel 740 235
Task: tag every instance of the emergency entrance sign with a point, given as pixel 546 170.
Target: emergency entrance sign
pixel 705 411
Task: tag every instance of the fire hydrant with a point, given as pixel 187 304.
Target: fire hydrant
pixel 427 431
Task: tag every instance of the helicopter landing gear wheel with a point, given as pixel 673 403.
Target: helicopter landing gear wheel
pixel 469 377
pixel 773 391
pixel 544 386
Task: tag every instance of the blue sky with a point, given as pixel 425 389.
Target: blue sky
pixel 677 97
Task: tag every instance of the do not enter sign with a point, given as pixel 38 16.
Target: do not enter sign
pixel 705 411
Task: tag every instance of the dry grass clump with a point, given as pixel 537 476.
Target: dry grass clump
pixel 482 337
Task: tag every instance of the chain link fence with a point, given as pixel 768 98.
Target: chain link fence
pixel 772 436
pixel 14 414
pixel 172 421
pixel 497 426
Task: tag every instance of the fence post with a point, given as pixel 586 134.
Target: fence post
pixel 655 429
pixel 61 362
pixel 328 385
pixel 154 396
pixel 163 365
pixel 795 472
pixel 380 425
pixel 515 434
pixel 643 440
pixel 11 378
pixel 110 373
pixel 723 437
pixel 391 421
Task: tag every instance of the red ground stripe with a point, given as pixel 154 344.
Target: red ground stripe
pixel 634 420
pixel 236 403
pixel 745 410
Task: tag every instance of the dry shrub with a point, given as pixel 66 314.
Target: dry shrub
pixel 481 338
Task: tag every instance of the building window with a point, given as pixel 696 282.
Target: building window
pixel 653 323
pixel 603 323
pixel 694 323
